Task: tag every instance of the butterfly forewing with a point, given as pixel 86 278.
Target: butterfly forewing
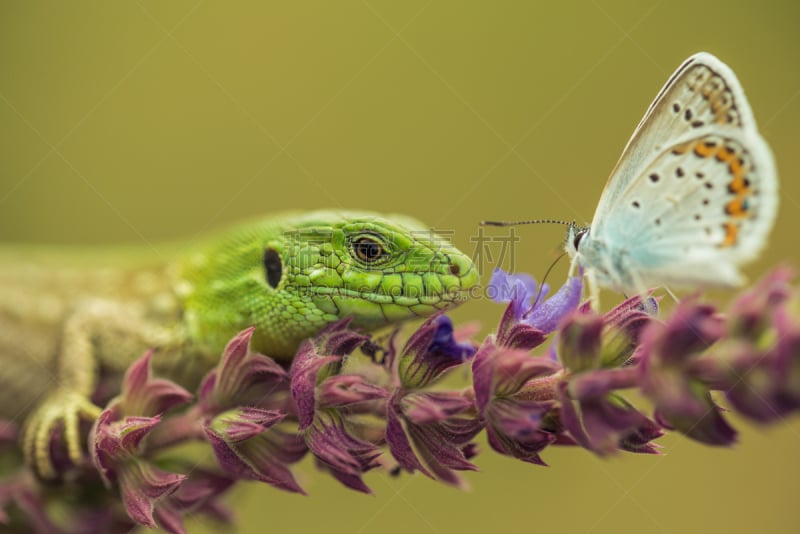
pixel 702 93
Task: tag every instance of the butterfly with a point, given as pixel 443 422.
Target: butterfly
pixel 693 196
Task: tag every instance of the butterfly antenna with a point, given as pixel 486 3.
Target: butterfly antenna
pixel 531 221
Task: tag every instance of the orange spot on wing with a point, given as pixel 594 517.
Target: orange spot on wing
pixel 731 235
pixel 737 207
pixel 705 149
pixel 739 184
pixel 725 153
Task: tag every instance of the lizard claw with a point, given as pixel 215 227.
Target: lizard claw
pixel 61 409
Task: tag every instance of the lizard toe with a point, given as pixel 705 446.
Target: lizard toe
pixel 62 410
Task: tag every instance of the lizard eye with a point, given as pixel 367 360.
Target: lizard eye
pixel 273 267
pixel 368 249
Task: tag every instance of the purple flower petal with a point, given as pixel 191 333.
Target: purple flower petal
pixel 241 378
pixel 525 323
pixel 579 342
pixel 433 407
pixel 438 447
pixel 546 315
pixel 244 423
pixel 623 327
pixel 253 459
pixel 516 335
pixel 345 390
pixel 513 429
pixel 595 385
pixel 308 369
pixel 668 358
pixel 498 371
pixel 337 339
pixel 753 311
pixel 116 442
pixel 141 485
pixel 441 446
pixel 518 289
pixel 332 442
pixel 605 425
pixel 143 395
pixel 399 444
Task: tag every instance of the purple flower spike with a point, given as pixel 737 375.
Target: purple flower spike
pixel 317 359
pixel 787 367
pixel 691 330
pixel 141 486
pixel 242 378
pixel 502 372
pixel 507 384
pixel 143 395
pixel 430 352
pixel 347 457
pixel 669 355
pixel 753 312
pixel 758 384
pixel 198 494
pixel 246 447
pixel 116 441
pixel 514 429
pixel 604 425
pixel 432 433
pixel 322 398
pixel 115 452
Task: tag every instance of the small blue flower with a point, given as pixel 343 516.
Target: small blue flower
pixel 518 289
pixel 529 316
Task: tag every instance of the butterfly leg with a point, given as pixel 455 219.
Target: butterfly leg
pixel 594 289
pixel 671 294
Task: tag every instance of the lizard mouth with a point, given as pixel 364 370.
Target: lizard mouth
pixel 440 301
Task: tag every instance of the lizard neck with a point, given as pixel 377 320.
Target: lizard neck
pixel 223 289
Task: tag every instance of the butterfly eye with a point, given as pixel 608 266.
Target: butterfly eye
pixel 578 237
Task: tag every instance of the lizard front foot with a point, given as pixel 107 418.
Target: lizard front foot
pixel 62 409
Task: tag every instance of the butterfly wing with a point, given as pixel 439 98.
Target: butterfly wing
pixel 702 92
pixel 695 191
pixel 702 206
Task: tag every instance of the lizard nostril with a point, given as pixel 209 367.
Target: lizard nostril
pixel 455 269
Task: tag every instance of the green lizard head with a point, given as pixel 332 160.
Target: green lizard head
pixel 291 275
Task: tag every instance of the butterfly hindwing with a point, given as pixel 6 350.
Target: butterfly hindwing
pixel 708 199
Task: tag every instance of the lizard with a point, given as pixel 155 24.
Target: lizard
pixel 66 316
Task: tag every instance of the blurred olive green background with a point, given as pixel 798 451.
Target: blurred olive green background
pixel 145 121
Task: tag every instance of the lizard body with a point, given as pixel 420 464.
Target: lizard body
pixel 66 317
